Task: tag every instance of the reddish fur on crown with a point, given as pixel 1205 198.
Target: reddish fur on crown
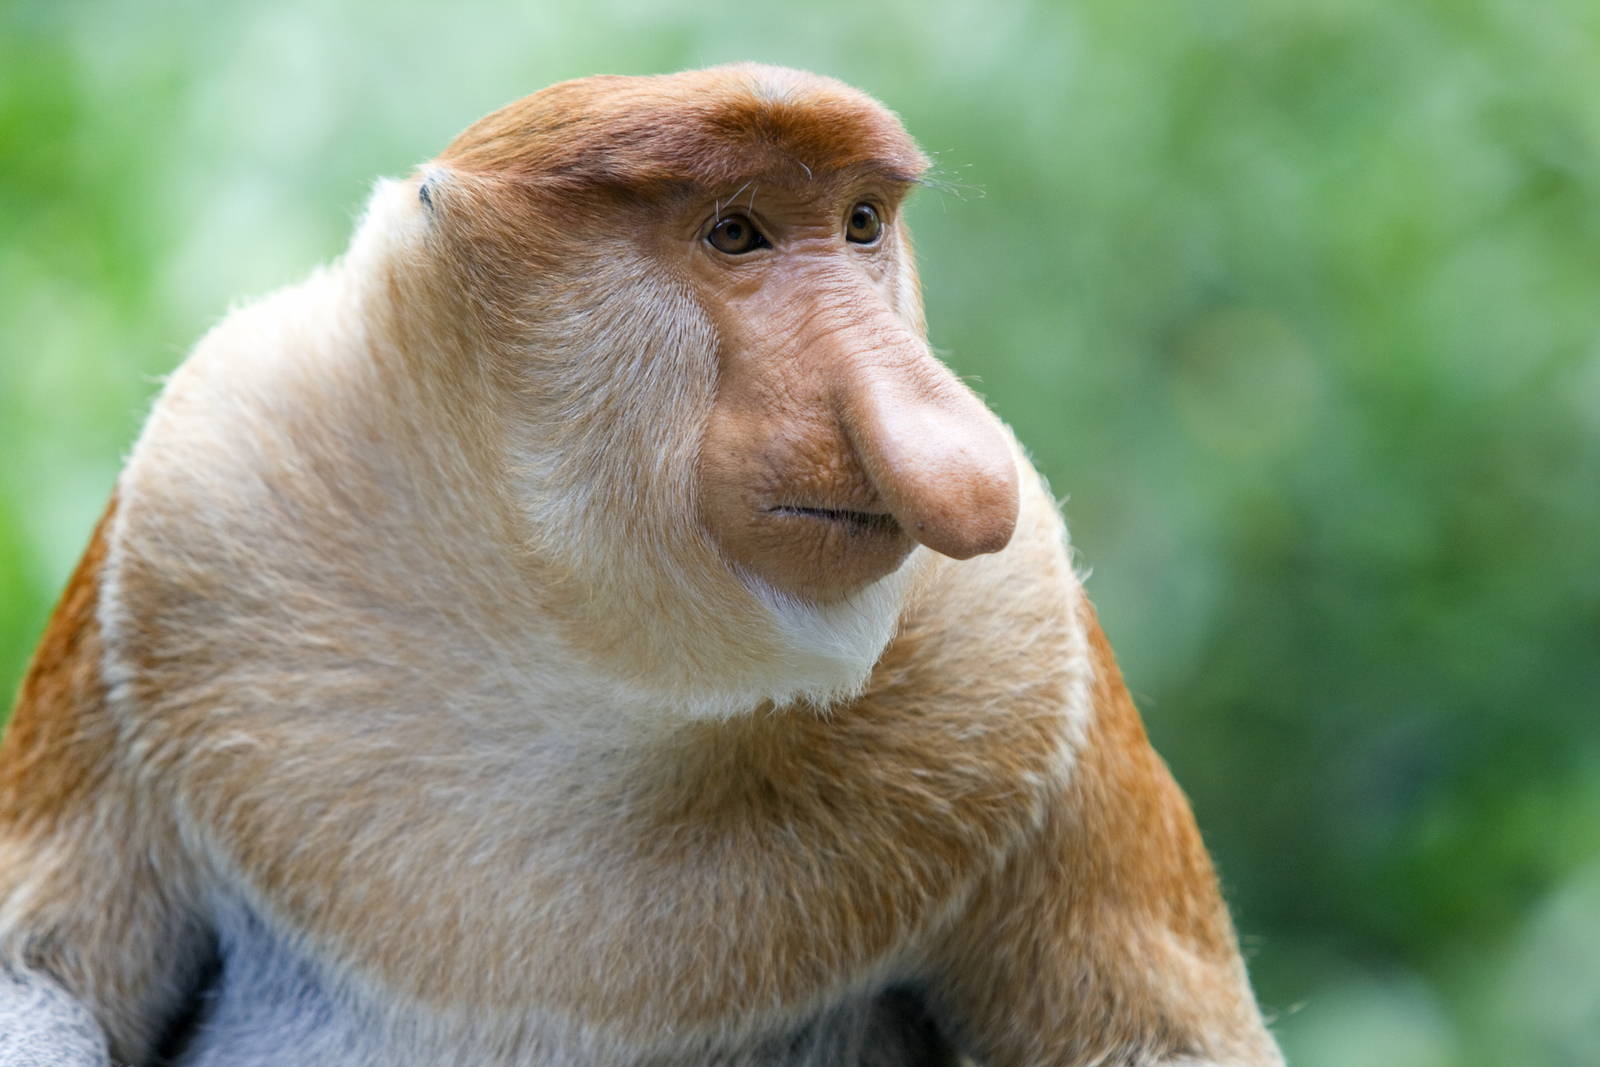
pixel 707 128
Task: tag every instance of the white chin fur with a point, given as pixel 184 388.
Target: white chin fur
pixel 825 655
pixel 830 649
pixel 813 655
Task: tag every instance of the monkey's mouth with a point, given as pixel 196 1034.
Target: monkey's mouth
pixel 853 522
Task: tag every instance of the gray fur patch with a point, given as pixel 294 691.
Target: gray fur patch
pixel 42 1026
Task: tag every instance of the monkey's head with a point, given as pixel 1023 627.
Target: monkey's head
pixel 694 302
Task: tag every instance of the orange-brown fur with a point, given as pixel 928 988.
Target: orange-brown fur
pixel 422 632
pixel 89 877
pixel 1115 912
pixel 60 744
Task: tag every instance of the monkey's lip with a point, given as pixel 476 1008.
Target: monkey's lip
pixel 878 522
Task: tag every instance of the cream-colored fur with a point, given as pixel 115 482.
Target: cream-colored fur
pixel 414 679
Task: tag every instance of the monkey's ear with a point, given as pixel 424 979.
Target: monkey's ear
pixel 433 176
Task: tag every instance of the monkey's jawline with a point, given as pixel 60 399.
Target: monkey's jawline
pixel 857 521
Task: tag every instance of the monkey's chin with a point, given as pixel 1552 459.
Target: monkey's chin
pixel 829 650
pixel 807 656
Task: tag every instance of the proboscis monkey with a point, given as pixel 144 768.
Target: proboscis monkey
pixel 586 625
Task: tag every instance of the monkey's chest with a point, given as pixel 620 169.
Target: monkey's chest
pixel 745 873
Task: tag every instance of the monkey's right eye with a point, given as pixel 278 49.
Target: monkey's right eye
pixel 736 235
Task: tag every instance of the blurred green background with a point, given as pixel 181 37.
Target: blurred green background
pixel 1297 303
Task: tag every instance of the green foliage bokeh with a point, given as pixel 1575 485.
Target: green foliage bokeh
pixel 1296 303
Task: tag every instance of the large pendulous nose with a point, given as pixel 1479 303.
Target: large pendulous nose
pixel 935 454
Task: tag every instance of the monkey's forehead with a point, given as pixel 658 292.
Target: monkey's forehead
pixel 706 127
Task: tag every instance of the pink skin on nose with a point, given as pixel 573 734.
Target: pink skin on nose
pixel 933 451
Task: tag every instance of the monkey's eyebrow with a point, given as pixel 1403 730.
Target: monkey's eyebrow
pixel 892 171
pixel 883 170
pixel 735 196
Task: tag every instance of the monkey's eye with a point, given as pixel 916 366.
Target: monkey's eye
pixel 864 225
pixel 736 235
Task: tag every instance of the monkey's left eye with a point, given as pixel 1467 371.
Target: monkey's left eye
pixel 736 235
pixel 863 226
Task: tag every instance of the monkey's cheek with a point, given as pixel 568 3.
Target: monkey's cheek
pixel 822 560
